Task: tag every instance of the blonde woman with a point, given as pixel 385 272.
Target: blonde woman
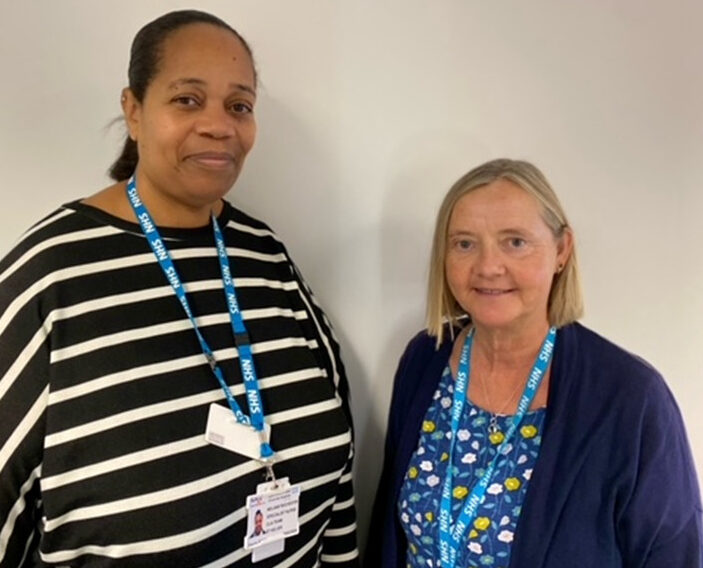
pixel 518 437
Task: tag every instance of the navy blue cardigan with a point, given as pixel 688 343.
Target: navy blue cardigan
pixel 614 485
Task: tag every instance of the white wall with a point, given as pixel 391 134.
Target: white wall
pixel 368 111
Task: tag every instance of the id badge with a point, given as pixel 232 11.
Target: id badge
pixel 272 516
pixel 225 431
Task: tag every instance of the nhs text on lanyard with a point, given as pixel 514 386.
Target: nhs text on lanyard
pixel 451 536
pixel 241 338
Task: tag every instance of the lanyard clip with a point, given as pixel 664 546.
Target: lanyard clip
pixel 211 361
pixel 270 475
pixel 268 457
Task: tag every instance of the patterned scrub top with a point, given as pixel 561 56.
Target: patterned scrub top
pixel 488 541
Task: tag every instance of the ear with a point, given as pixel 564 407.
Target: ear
pixel 132 111
pixel 565 246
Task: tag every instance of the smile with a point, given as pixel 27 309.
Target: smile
pixel 491 291
pixel 213 160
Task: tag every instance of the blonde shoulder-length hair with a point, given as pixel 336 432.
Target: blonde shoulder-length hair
pixel 565 303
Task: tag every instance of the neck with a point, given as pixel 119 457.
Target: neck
pixel 502 351
pixel 500 364
pixel 169 211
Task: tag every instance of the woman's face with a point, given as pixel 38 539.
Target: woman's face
pixel 502 257
pixel 196 125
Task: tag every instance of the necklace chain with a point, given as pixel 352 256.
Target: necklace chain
pixel 493 427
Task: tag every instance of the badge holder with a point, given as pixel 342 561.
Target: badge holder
pixel 225 431
pixel 272 517
pixel 272 513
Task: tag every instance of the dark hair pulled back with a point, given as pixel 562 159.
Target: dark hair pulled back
pixel 144 59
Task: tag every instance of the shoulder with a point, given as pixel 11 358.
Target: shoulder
pixel 603 370
pixel 48 251
pixel 60 221
pixel 54 232
pixel 252 233
pixel 421 360
pixel 605 357
pixel 424 344
pixel 420 352
pixel 240 219
pixel 421 343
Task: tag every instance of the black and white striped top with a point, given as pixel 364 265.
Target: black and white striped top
pixel 104 396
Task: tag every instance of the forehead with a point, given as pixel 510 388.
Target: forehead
pixel 500 204
pixel 201 49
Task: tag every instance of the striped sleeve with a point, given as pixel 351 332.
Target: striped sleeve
pixel 339 547
pixel 24 348
pixel 333 360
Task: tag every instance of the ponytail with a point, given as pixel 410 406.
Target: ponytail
pixel 126 163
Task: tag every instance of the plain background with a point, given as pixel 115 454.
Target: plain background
pixel 368 111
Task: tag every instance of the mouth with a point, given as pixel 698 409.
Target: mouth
pixel 492 291
pixel 213 160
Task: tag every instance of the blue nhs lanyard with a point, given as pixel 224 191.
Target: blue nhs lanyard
pixel 450 536
pixel 241 338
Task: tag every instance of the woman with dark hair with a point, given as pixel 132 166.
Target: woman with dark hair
pixel 163 365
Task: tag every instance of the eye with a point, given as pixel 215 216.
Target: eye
pixel 462 245
pixel 186 101
pixel 517 242
pixel 240 107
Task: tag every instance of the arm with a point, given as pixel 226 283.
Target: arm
pixel 339 547
pixel 328 352
pixel 661 521
pixel 382 502
pixel 24 359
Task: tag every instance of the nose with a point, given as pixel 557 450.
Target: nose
pixel 215 122
pixel 489 262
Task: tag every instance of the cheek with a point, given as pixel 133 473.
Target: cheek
pixel 165 135
pixel 450 270
pixel 538 277
pixel 171 137
pixel 456 275
pixel 247 136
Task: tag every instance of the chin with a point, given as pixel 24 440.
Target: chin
pixel 204 192
pixel 496 325
pixel 493 320
pixel 209 177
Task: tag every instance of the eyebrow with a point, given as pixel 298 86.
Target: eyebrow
pixel 506 231
pixel 200 83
